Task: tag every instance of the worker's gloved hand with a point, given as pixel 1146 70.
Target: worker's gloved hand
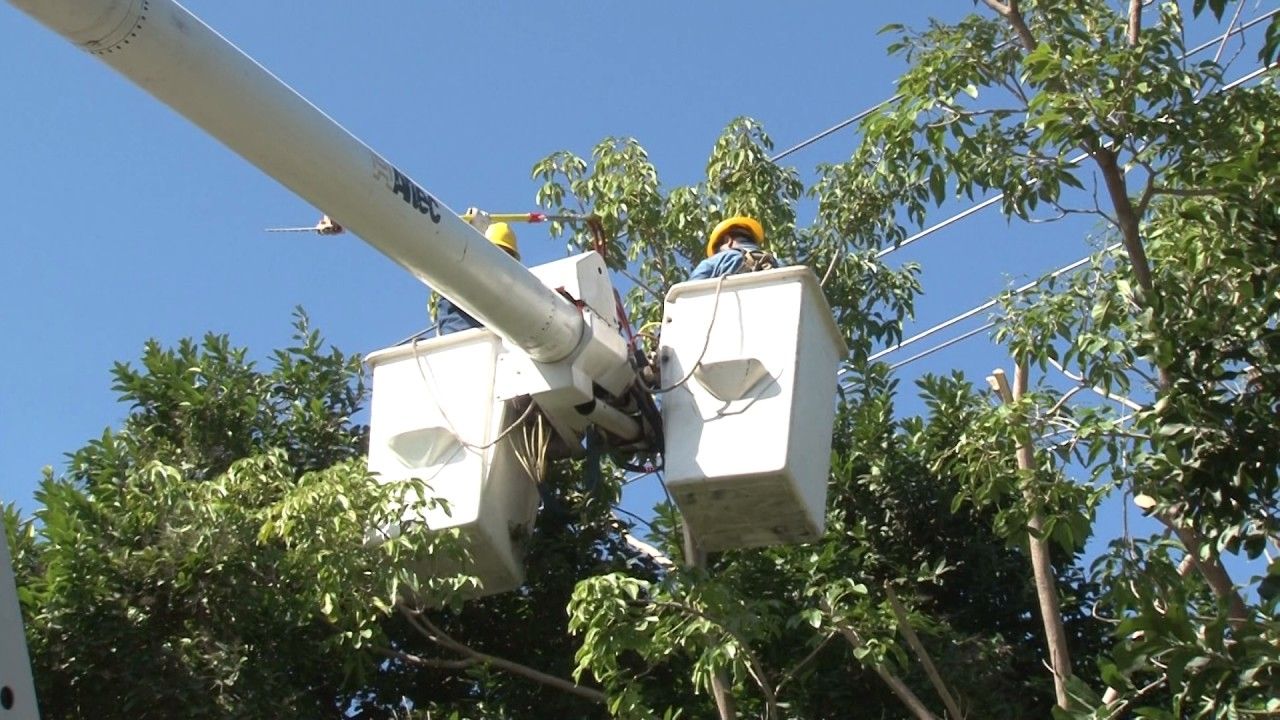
pixel 477 218
pixel 327 226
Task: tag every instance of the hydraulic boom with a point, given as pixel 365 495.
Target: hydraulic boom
pixel 173 55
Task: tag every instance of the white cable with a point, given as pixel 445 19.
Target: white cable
pixel 706 343
pixel 834 128
pixel 435 400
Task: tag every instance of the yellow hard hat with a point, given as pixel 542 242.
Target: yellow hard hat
pixel 740 222
pixel 503 236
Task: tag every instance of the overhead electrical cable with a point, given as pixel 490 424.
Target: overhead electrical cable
pixel 985 306
pixel 1017 291
pixel 1078 158
pixel 864 113
pixel 833 129
pixel 942 345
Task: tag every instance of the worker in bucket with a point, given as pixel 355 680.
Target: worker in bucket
pixel 736 245
pixel 449 317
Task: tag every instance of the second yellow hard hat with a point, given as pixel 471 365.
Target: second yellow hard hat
pixel 503 236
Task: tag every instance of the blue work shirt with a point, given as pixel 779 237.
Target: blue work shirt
pixel 451 319
pixel 725 262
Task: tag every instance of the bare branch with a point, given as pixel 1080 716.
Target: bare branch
pixel 958 112
pixel 899 688
pixel 754 667
pixel 1135 21
pixel 908 632
pixel 1041 565
pixel 1062 400
pixel 1113 397
pixel 1123 705
pixel 1098 205
pixel 438 636
pixel 1010 83
pixel 1064 211
pixel 835 258
pixel 795 669
pixel 1186 192
pixel 459 664
pixel 1210 568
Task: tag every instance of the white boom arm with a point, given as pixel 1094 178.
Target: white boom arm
pixel 185 64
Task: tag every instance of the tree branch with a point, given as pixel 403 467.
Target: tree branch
pixel 721 690
pixel 1148 191
pixel 1126 218
pixel 1211 569
pixel 1013 14
pixel 835 258
pixel 1038 546
pixel 754 667
pixel 1186 192
pixel 441 663
pixel 1063 401
pixel 899 688
pixel 908 632
pixel 438 636
pixel 795 669
pixel 1135 21
pixel 1101 392
pixel 1214 573
pixel 1123 705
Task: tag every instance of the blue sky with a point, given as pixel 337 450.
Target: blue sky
pixel 124 222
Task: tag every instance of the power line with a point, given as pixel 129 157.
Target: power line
pixel 1251 76
pixel 938 226
pixel 942 345
pixel 984 306
pixel 1017 291
pixel 1236 31
pixel 864 113
pixel 1078 158
pixel 993 200
pixel 834 128
pixel 997 198
pixel 991 303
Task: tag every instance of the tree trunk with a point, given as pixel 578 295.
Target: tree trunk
pixel 1055 633
pixel 721 688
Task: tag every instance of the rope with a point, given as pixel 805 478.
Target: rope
pixel 423 372
pixel 706 343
